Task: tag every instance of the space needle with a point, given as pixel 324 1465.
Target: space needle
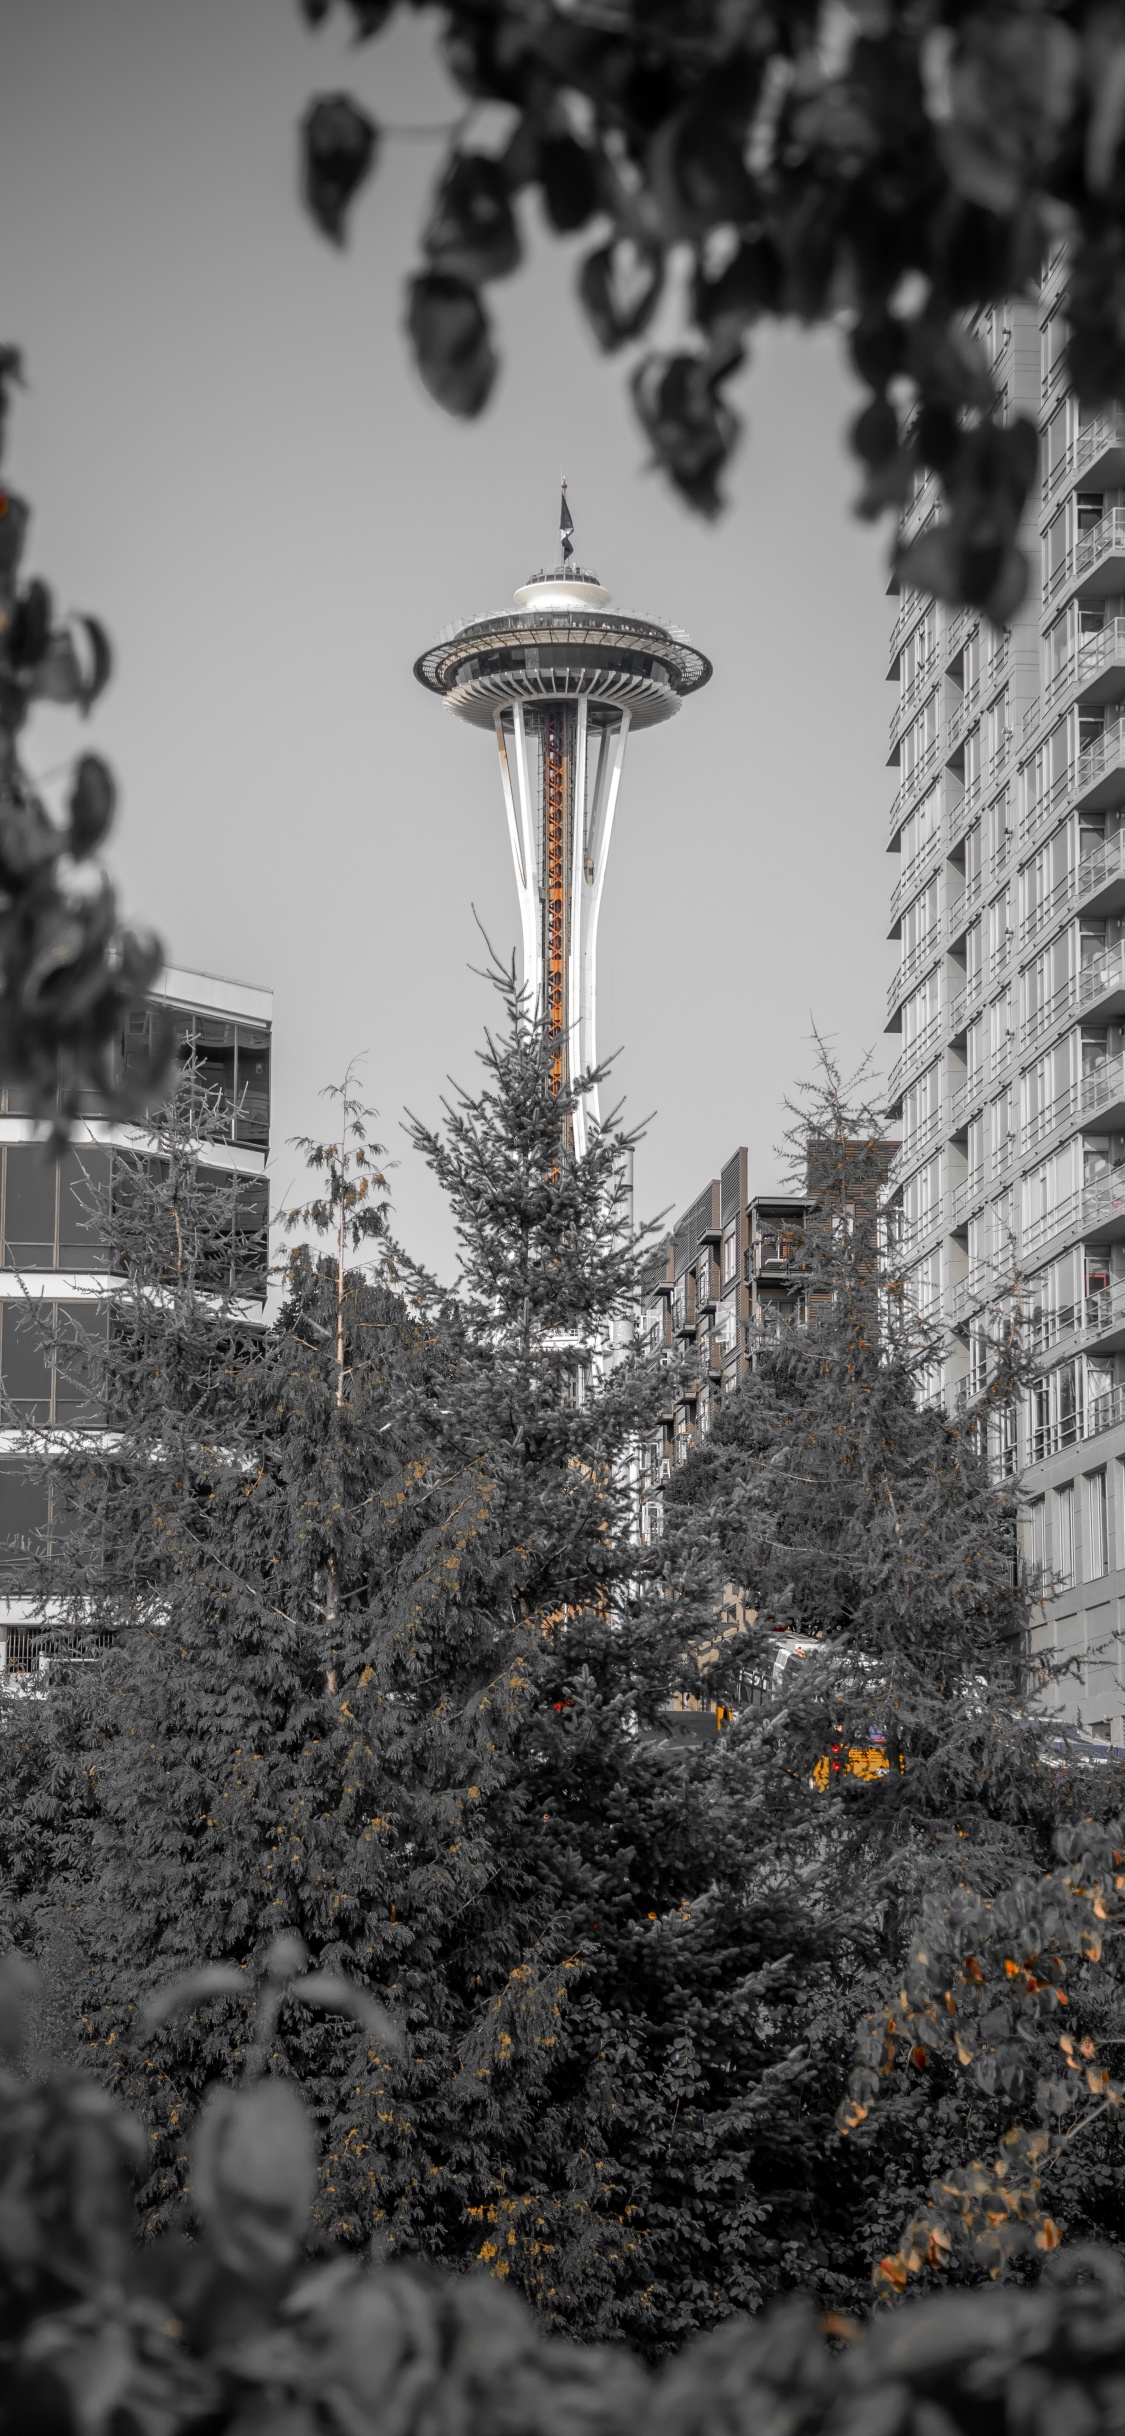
pixel 562 680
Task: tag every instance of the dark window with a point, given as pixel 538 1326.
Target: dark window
pixel 84 1177
pixel 30 1198
pixel 23 1519
pixel 25 1363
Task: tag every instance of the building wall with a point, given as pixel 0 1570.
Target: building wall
pixel 48 1257
pixel 730 1267
pixel 1008 907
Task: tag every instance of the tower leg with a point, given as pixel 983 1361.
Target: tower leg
pixel 589 882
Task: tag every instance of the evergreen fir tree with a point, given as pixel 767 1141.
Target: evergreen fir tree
pixel 395 1692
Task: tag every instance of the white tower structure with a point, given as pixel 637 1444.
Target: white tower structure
pixel 562 680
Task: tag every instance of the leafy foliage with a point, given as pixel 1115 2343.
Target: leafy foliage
pixel 69 974
pixel 831 1501
pixel 986 1984
pixel 889 167
pixel 236 2328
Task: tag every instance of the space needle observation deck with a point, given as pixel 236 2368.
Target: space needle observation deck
pixel 562 680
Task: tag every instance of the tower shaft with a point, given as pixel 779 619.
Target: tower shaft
pixel 561 773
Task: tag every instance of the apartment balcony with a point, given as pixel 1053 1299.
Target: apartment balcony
pixel 1095 1209
pixel 1098 453
pixel 910 971
pixel 966 1002
pixel 1097 1097
pixel 912 610
pixel 1098 987
pixel 970 1195
pixel 912 1060
pixel 909 702
pixel 973 1292
pixel 1101 1413
pixel 979 695
pixel 1094 672
pixel 970 1095
pixel 1096 886
pixel 910 880
pixel 915 1234
pixel 922 508
pixel 913 787
pixel 1096 1324
pixel 1099 773
pixel 1096 564
pixel 917 1146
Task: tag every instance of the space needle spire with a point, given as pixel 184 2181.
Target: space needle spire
pixel 563 681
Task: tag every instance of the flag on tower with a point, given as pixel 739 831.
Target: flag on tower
pixel 566 528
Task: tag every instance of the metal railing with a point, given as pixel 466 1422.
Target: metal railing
pixel 1099 1414
pixel 963 1005
pixel 914 1232
pixel 921 956
pixel 1090 1206
pixel 1103 540
pixel 916 1147
pixel 923 682
pixel 1083 989
pixel 914 1055
pixel 1099 651
pixel 1106 431
pixel 918 868
pixel 970 1194
pixel 924 769
pixel 1069 894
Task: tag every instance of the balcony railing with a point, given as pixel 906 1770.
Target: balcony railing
pixel 1093 1205
pixel 1076 887
pixel 1103 540
pixel 919 1050
pixel 1099 651
pixel 1094 440
pixel 1102 979
pixel 1098 1414
pixel 971 1194
pixel 921 956
pixel 913 786
pixel 914 1232
pixel 923 682
pixel 915 1148
pixel 963 1005
pixel 917 869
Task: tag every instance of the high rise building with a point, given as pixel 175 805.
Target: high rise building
pixel 50 1257
pixel 562 681
pixel 1009 829
pixel 731 1267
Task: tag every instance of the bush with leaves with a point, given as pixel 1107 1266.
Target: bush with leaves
pixel 224 2325
pixel 891 168
pixel 1019 1996
pixel 69 974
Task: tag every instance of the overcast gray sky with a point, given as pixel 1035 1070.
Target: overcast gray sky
pixel 231 461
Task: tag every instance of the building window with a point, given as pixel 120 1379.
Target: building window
pixel 730 1254
pixel 1063 1538
pixel 1097 1525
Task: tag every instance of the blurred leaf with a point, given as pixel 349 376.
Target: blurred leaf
pixel 725 307
pixel 471 232
pixel 571 181
pixel 91 806
pixel 620 286
pixel 452 342
pixel 253 2176
pixel 690 426
pixel 30 627
pixel 339 144
pixel 194 1988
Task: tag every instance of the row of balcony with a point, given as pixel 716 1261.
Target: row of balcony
pixel 1087 560
pixel 1100 984
pixel 1100 443
pixel 1096 884
pixel 977 697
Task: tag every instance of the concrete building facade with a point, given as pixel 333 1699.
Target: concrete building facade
pixel 1008 828
pixel 730 1268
